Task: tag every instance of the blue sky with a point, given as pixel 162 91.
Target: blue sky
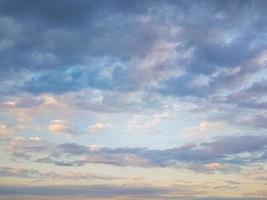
pixel 131 99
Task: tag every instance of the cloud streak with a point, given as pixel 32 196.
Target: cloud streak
pixel 207 154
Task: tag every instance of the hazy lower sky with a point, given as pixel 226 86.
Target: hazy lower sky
pixel 133 99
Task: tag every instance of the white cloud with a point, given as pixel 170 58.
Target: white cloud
pixel 140 123
pixel 93 147
pixel 205 127
pixel 10 103
pixel 212 166
pixel 99 127
pixel 18 142
pixel 50 100
pixel 203 131
pixel 59 127
pixel 35 138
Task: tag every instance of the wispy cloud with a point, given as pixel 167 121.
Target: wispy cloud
pixel 211 155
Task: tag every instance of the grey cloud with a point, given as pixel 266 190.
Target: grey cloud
pixel 232 198
pixel 72 148
pixel 257 120
pixel 108 191
pixel 223 150
pixel 251 97
pixel 20 172
pixel 219 35
pixel 37 175
pixel 116 102
pixel 29 102
pixel 233 145
pixel 81 29
pixel 96 191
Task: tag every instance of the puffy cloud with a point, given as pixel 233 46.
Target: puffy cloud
pixel 203 131
pixel 94 147
pixel 212 166
pixel 59 127
pixel 99 127
pixel 215 167
pixel 205 127
pixel 28 101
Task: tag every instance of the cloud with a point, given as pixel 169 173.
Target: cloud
pixel 43 176
pixel 252 97
pixel 18 172
pixel 96 60
pixel 195 52
pixel 212 55
pixel 99 127
pixel 212 166
pixel 93 147
pixel 114 102
pixel 223 151
pixel 6 132
pixel 204 130
pixel 253 120
pixel 215 167
pixel 20 146
pixel 142 123
pixel 110 191
pixel 96 191
pixel 25 102
pixel 59 127
pixel 205 127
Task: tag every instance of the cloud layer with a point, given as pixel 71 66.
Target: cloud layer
pixel 95 91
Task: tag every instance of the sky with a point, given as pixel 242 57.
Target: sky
pixel 133 99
